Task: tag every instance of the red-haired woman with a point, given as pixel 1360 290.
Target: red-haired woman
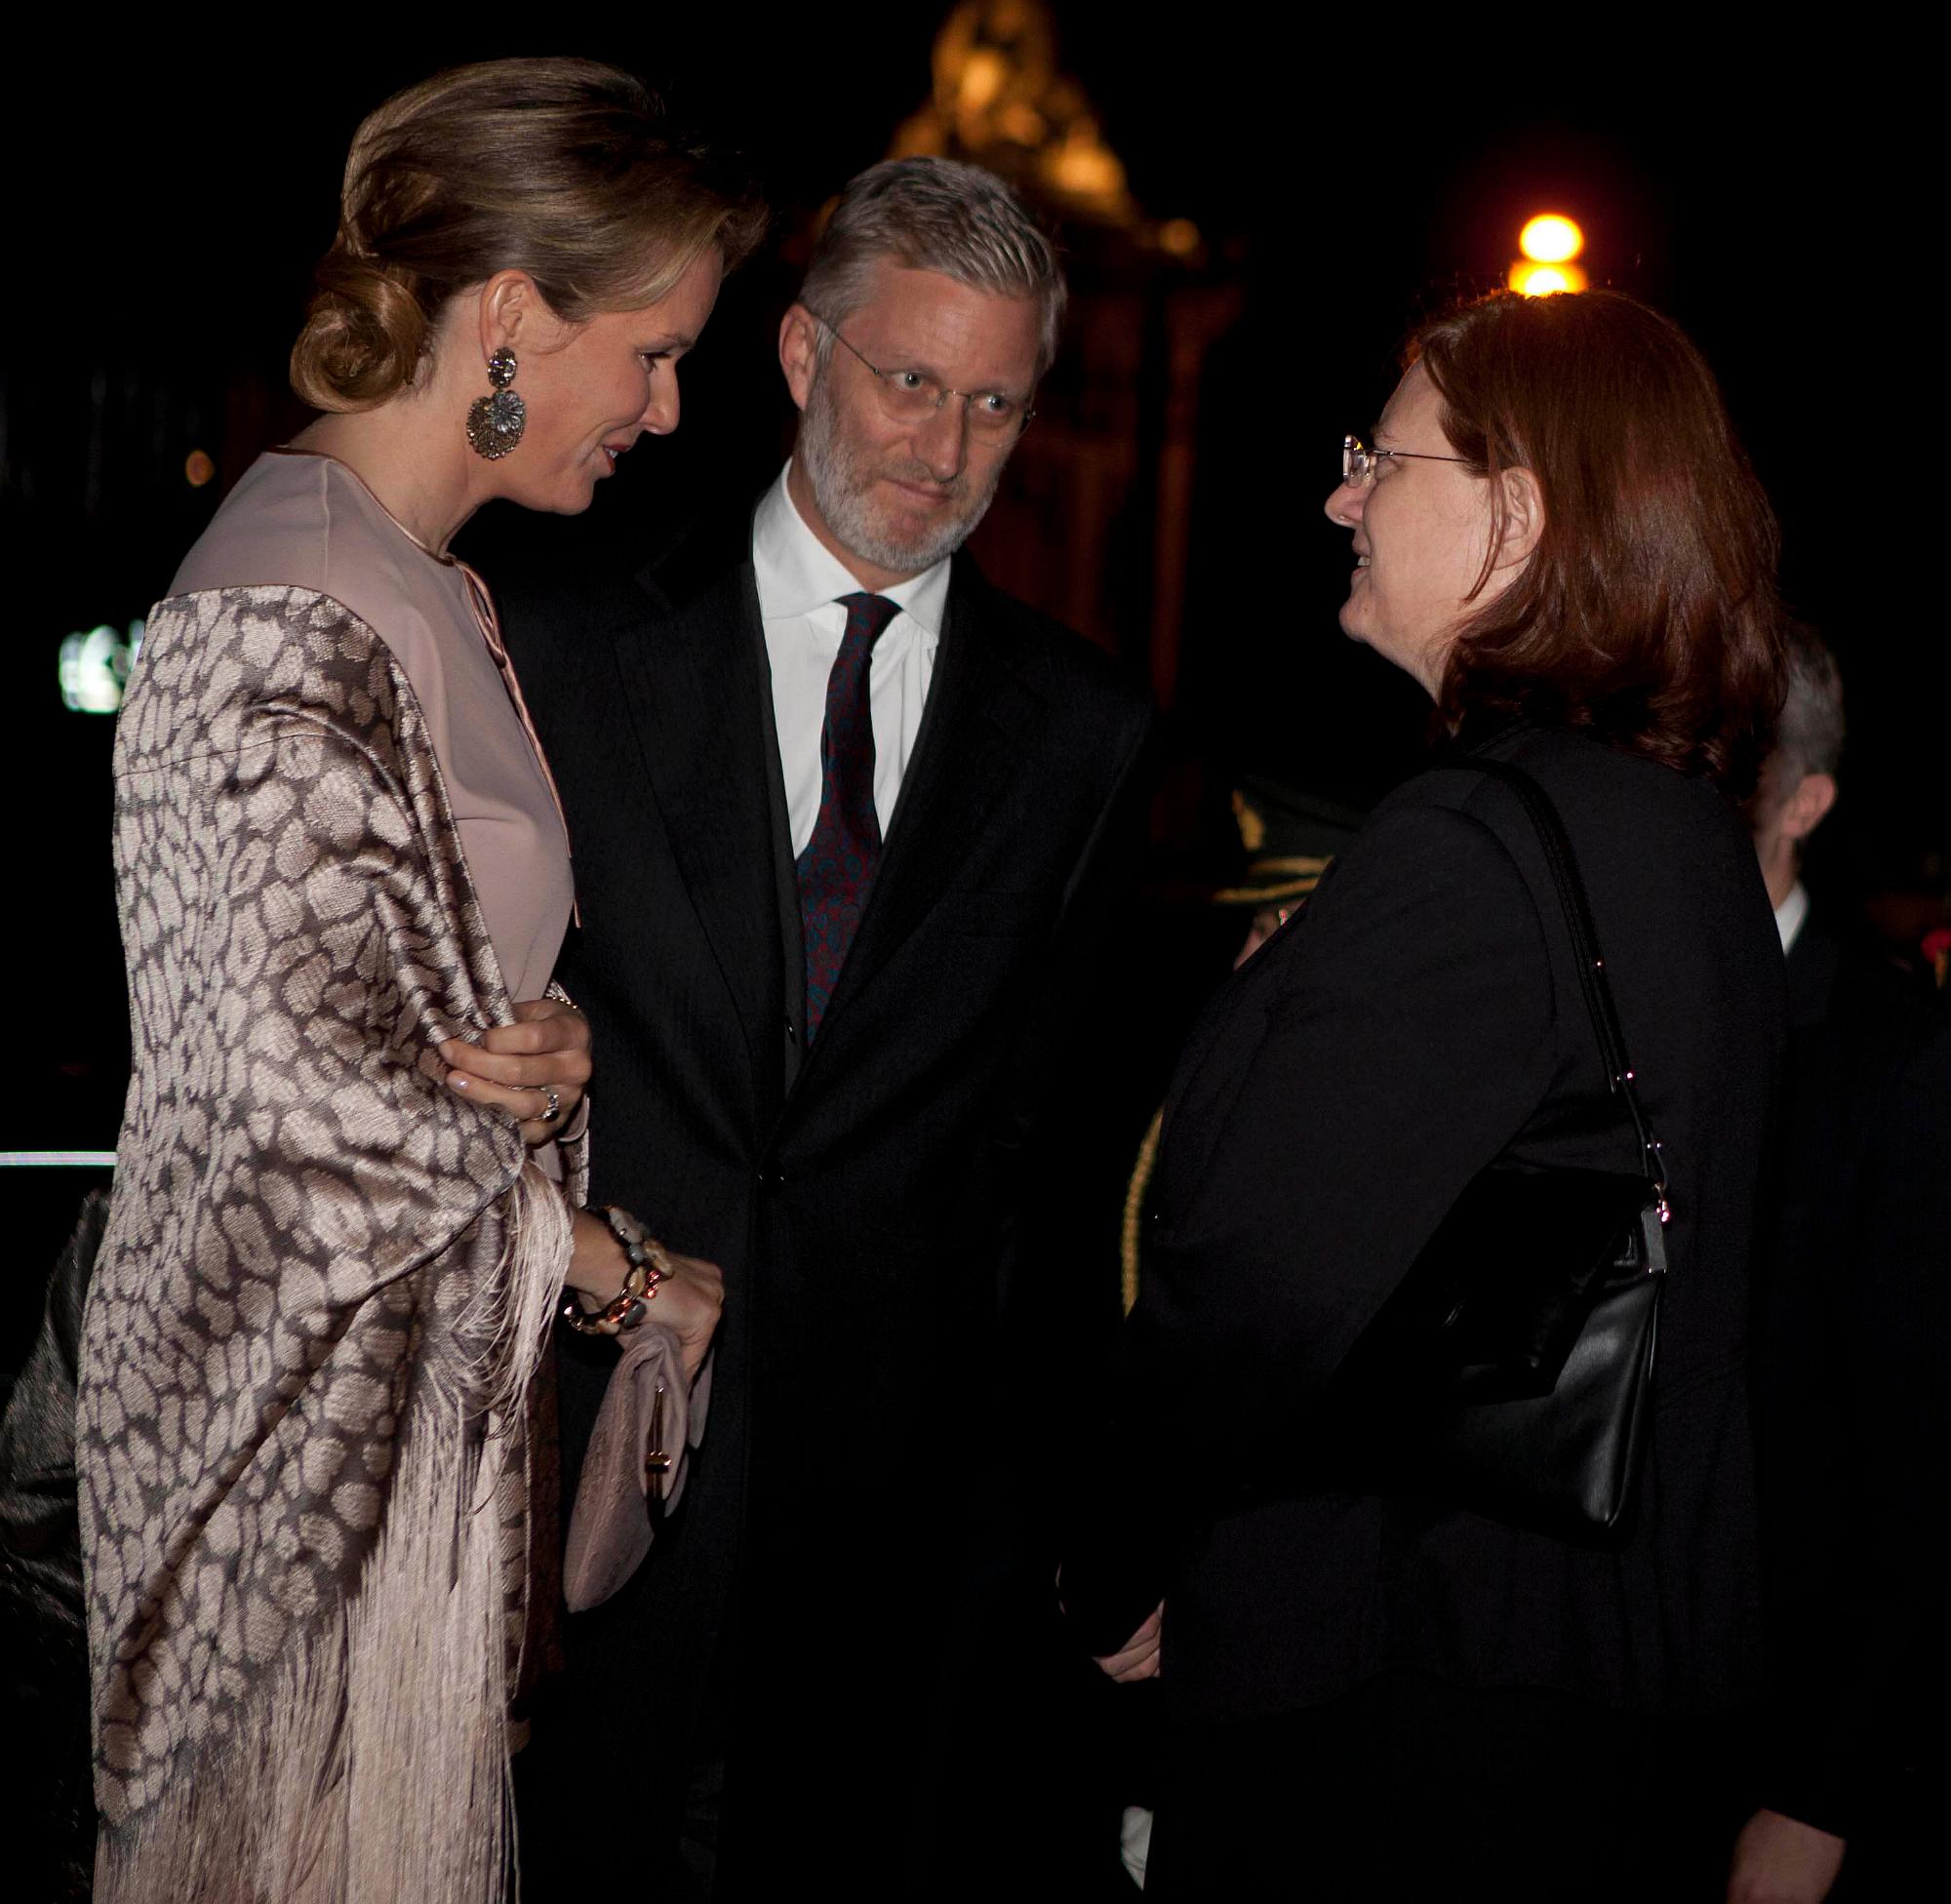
pixel 1557 535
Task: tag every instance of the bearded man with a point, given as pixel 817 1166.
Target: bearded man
pixel 849 827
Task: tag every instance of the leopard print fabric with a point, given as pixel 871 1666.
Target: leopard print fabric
pixel 315 1260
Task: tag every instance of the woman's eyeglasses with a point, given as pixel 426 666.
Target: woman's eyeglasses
pixel 1361 465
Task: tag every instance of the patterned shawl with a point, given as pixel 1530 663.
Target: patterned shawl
pixel 323 1292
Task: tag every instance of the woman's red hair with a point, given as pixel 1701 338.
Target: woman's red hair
pixel 1648 613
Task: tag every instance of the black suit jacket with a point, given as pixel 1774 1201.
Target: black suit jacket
pixel 901 1280
pixel 1422 1018
pixel 1854 1419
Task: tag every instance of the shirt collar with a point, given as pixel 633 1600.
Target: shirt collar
pixel 1789 915
pixel 797 572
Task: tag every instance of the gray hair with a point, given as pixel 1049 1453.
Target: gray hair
pixel 1809 736
pixel 934 215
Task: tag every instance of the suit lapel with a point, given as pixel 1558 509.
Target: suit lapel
pixel 696 690
pixel 982 721
pixel 1812 964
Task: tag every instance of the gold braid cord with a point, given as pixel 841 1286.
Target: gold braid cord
pixel 1135 1204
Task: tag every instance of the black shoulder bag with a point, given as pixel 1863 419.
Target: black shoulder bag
pixel 1511 1372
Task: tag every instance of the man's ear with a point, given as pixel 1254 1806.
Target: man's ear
pixel 798 351
pixel 1807 806
pixel 1523 517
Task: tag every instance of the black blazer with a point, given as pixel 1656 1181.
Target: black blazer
pixel 1422 1018
pixel 1854 1419
pixel 899 1277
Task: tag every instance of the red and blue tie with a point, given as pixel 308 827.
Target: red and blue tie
pixel 836 870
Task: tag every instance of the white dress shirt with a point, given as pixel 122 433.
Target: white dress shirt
pixel 800 583
pixel 1789 915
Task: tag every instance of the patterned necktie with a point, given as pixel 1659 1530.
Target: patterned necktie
pixel 836 871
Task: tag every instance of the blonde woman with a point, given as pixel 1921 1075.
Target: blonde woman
pixel 339 1228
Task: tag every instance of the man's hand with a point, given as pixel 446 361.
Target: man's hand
pixel 1780 1860
pixel 1138 1657
pixel 515 1067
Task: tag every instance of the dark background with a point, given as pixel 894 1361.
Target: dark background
pixel 166 203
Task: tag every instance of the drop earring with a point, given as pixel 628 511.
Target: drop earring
pixel 495 421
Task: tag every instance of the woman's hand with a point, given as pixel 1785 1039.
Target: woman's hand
pixel 687 1302
pixel 1779 1860
pixel 1138 1657
pixel 515 1067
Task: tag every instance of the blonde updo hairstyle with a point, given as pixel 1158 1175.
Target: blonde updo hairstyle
pixel 566 169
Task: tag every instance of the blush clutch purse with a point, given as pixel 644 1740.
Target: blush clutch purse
pixel 634 1469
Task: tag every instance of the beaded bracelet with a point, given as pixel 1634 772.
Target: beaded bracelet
pixel 648 1263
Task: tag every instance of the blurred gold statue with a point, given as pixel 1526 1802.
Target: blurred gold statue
pixel 999 101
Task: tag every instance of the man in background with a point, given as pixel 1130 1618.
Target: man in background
pixel 1853 1375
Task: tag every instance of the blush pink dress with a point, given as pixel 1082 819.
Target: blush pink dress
pixel 304 521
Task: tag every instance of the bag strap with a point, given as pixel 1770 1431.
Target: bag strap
pixel 1564 865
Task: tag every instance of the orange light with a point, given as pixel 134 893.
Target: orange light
pixel 1179 236
pixel 198 469
pixel 1542 280
pixel 1551 238
pixel 984 75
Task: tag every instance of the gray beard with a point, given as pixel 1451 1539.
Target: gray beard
pixel 842 487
